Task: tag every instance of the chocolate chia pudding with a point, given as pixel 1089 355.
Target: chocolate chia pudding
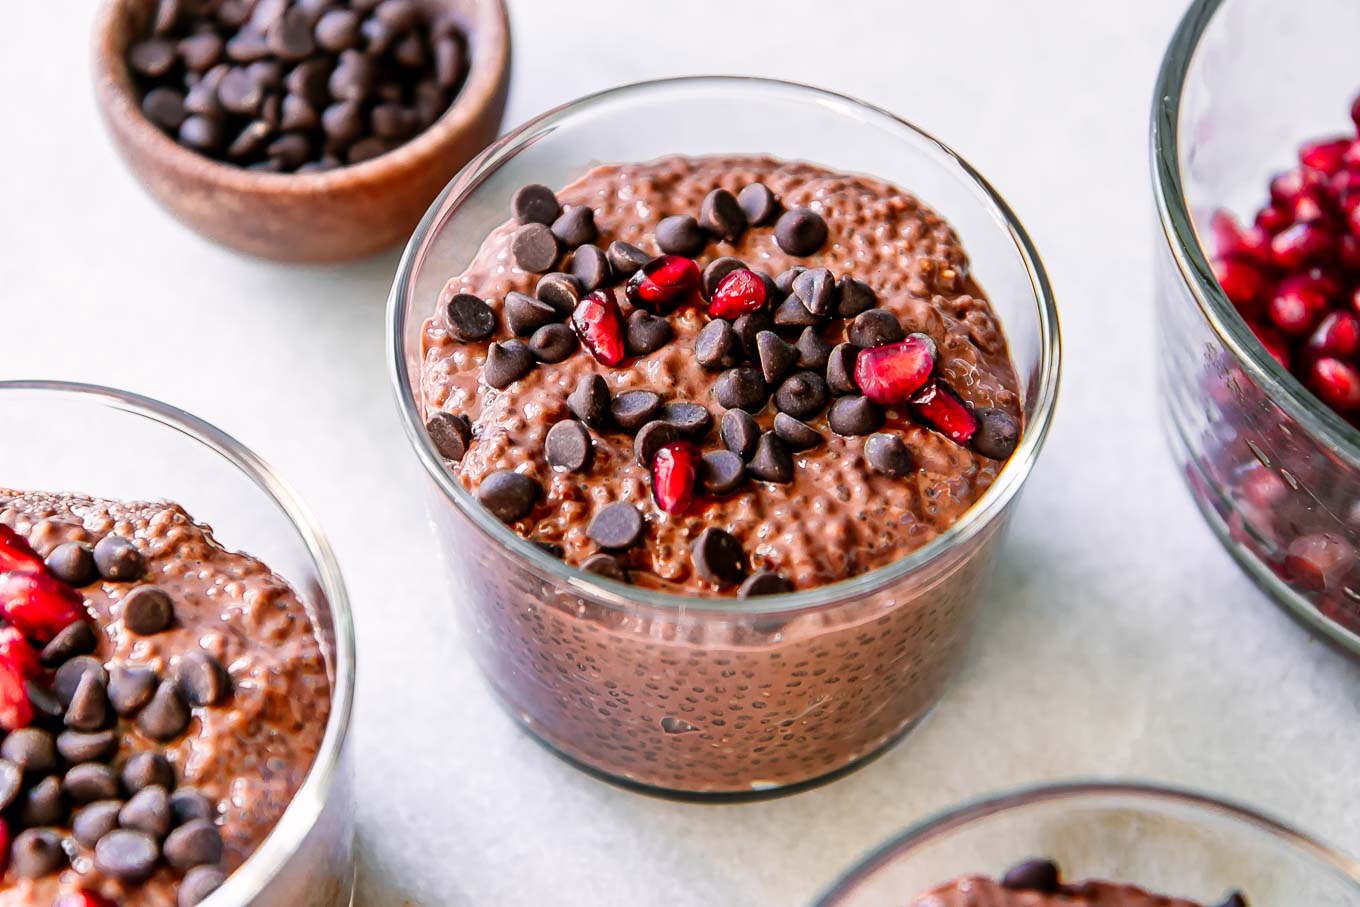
pixel 172 696
pixel 1037 884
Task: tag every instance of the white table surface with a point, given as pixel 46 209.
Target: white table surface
pixel 1118 639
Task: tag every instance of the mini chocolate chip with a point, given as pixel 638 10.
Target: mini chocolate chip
pixel 509 495
pixel 840 369
pixel 11 782
pixel 130 687
pixel 247 46
pixel 535 204
pixel 853 297
pixel 772 461
pixel 468 318
pixel 692 420
pixel 43 803
pixel 792 313
pixel 147 610
pixel 590 266
pixel 506 363
pixel 450 433
pixel 197 884
pixel 796 434
pixel 646 333
pixel 997 433
pixel 45 703
pixel 775 355
pixel 718 557
pixel 813 351
pixel 118 559
pixel 802 395
pixel 239 92
pixel 605 565
pixel 145 769
pixel 75 639
pixel 290 37
pixel 337 30
pixel 633 409
pixel 129 856
pixel 680 234
pixel 201 679
pixel 716 270
pixel 524 314
pixel 343 122
pixel 290 151
pixel 553 343
pixel 740 433
pixel 148 810
pixel 568 446
pixel 773 295
pixel 652 437
pixel 190 803
pixel 69 675
pixel 590 401
pixel 876 327
pixel 165 108
pixel 758 203
pixel 166 716
pixel 854 415
pixel 748 328
pixel 887 454
pixel 722 471
pixel 800 231
pixel 765 582
pixel 625 258
pixel 79 746
pixel 717 346
pixel 37 852
pixel 90 781
pixel 89 706
pixel 73 564
pixel 309 81
pixel 197 843
pixel 94 821
pixel 534 248
pixel 721 215
pixel 786 278
pixel 1032 875
pixel 741 388
pixel 575 226
pixel 816 289
pixel 354 77
pixel 250 140
pixel 616 527
pixel 559 290
pixel 151 58
pixel 169 13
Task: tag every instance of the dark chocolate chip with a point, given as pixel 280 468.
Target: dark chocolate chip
pixel 772 461
pixel 509 495
pixel 354 77
pixel 1235 899
pixel 337 30
pixel 468 318
pixel 748 328
pixel 692 420
pixel 590 266
pixel 534 248
pixel 717 346
pixel 800 231
pixel 1032 875
pixel 741 388
pixel 190 803
pixel 197 843
pixel 290 151
pixel 535 204
pixel 147 610
pixel 802 395
pixel 524 314
pixel 590 401
pixel 73 564
pixel 634 409
pixel 758 203
pixel 118 559
pixel 169 13
pixel 568 446
pixel 148 811
pixel 625 258
pixel 166 716
pixel 813 351
pixel 393 121
pixel 290 37
pixel 605 565
pixel 718 557
pixel 11 782
pixel 646 333
pixel 43 803
pixel 94 821
pixel 197 884
pixel 853 297
pixel 450 433
pixel 854 415
pixel 88 709
pixel 309 81
pixel 876 327
pixel 740 433
pixel 792 313
pixel 249 140
pixel 680 234
pixel 786 278
pixel 201 679
pixel 145 769
pixel 840 369
pixel 75 639
pixel 775 355
pixel 165 108
pixel 343 122
pixel 37 852
pixel 378 37
pixel 130 687
pixel 129 856
pixel 997 433
pixel 722 471
pixel 796 434
pixel 616 527
pixel 78 746
pixel 575 226
pixel 90 781
pixel 366 149
pixel 69 675
pixel 45 702
pixel 816 289
pixel 506 363
pixel 553 343
pixel 887 454
pixel 716 270
pixel 449 61
pixel 652 437
pixel 559 290
pixel 765 582
pixel 240 93
pixel 721 215
pixel 247 46
pixel 152 57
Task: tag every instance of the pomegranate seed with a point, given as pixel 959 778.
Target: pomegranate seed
pixel 1232 240
pixel 17 554
pixel 1300 245
pixel 739 293
pixel 1298 305
pixel 1263 487
pixel 1348 251
pixel 944 410
pixel 892 373
pixel 1272 219
pixel 1353 220
pixel 1337 336
pixel 1274 342
pixel 1286 188
pixel 663 284
pixel 18 654
pixel 675 471
pixel 600 326
pixel 1318 561
pixel 1243 284
pixel 39 604
pixel 1324 155
pixel 1337 383
pixel 83 898
pixel 15 709
pixel 1346 182
pixel 1310 208
pixel 1355 300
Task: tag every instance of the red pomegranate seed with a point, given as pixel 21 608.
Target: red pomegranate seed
pixel 1300 245
pixel 17 554
pixel 1355 112
pixel 1232 240
pixel 1355 300
pixel 675 471
pixel 1318 561
pixel 1353 220
pixel 891 374
pixel 1274 342
pixel 1324 155
pixel 1273 219
pixel 1242 283
pixel 1346 182
pixel 737 294
pixel 663 284
pixel 944 410
pixel 83 898
pixel 1297 305
pixel 39 604
pixel 1286 188
pixel 15 709
pixel 1337 383
pixel 1310 208
pixel 600 326
pixel 1337 336
pixel 18 654
pixel 1348 251
pixel 1263 487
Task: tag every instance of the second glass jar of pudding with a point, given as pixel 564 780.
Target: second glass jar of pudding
pixel 661 682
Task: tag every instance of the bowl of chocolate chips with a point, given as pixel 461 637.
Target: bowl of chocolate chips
pixel 300 130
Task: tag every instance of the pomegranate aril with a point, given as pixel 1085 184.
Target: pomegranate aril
pixel 39 604
pixel 1355 112
pixel 17 554
pixel 1310 208
pixel 16 653
pixel 1318 561
pixel 599 324
pixel 892 373
pixel 1336 383
pixel 675 472
pixel 1325 155
pixel 1232 240
pixel 944 410
pixel 15 709
pixel 1273 219
pixel 1348 251
pixel 739 293
pixel 1242 283
pixel 663 284
pixel 1274 342
pixel 1263 487
pixel 1286 188
pixel 1297 305
pixel 1300 245
pixel 1338 336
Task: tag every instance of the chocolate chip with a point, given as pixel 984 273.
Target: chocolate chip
pixel 337 30
pixel 448 61
pixel 997 433
pixel 740 433
pixel 78 746
pixel 129 856
pixel 353 78
pixel 535 204
pixel 887 454
pixel 680 234
pixel 590 266
pixel 343 122
pixel 741 388
pixel 553 343
pixel 718 557
pixel 247 46
pixel 840 369
pixel 716 270
pixel 652 437
pixel 450 433
pixel 692 420
pixel 290 38
pixel 393 121
pixel 625 259
pixel 590 401
pixel 148 811
pixel 145 769
pixel 118 559
pixel 575 226
pixel 722 471
pixel 813 352
pixel 509 495
pixel 800 231
pixel 748 328
pixel 1032 875
pixel 853 297
pixel 130 687
pixel 568 446
pixel 290 151
pixel 239 92
pixel 717 346
pixel 151 58
pixel 559 290
pixel 249 140
pixel 11 782
pixel 69 675
pixel 166 716
pixel 198 843
pixel 168 16
pixel 89 706
pixel 646 333
pixel 43 803
pixel 619 525
pixel 1234 900
pixel 90 781
pixel 198 883
pixel 775 355
pixel 468 318
pixel 634 409
pixel 816 289
pixel 802 395
pixel 95 820
pixel 758 203
pixel 45 703
pixel 147 610
pixel 506 363
pixel 605 565
pixel 876 327
pixel 786 278
pixel 772 461
pixel 165 108
pixel 721 215
pixel 73 564
pixel 792 313
pixel 75 639
pixel 797 435
pixel 201 679
pixel 309 81
pixel 534 248
pixel 37 852
pixel 524 314
pixel 190 803
pixel 765 582
pixel 854 415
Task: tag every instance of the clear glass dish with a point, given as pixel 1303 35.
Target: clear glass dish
pixel 145 450
pixel 1171 842
pixel 713 696
pixel 1244 82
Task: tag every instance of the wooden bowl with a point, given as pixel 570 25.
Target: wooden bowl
pixel 332 216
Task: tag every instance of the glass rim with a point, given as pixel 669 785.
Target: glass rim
pixel 303 811
pixel 943 822
pixel 1178 231
pixel 620 595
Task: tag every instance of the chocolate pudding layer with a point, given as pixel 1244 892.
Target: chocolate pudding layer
pixel 213 688
pixel 980 891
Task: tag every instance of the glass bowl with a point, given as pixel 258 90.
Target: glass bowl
pixel 1244 82
pixel 706 695
pixel 146 450
pixel 1171 842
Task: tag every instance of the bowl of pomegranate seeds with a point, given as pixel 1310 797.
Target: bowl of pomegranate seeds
pixel 1256 162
